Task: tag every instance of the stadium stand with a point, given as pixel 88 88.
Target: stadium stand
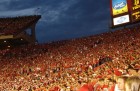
pixel 92 63
pixel 14 29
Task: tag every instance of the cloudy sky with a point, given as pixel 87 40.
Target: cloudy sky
pixel 62 19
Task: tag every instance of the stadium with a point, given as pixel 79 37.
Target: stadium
pixel 92 63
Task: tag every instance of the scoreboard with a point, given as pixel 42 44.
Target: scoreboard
pixel 124 11
pixel 135 16
pixel 135 4
pixel 135 10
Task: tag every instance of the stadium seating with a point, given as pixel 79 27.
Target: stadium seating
pixel 70 64
pixel 15 25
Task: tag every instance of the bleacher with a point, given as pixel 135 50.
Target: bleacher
pixel 70 64
pixel 13 30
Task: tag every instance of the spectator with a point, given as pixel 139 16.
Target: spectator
pixel 98 86
pixel 111 85
pixel 132 84
pixel 120 83
pixel 132 71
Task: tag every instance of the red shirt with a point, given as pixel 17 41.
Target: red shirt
pixel 86 87
pixel 112 88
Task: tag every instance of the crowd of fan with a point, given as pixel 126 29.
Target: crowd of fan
pixel 92 62
pixel 14 25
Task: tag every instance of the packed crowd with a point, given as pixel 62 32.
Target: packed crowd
pixel 16 24
pixel 94 62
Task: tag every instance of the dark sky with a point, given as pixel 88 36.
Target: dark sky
pixel 62 19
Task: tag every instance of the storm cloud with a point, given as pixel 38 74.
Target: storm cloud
pixel 61 19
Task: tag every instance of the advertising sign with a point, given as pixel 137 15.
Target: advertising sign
pixel 121 20
pixel 119 6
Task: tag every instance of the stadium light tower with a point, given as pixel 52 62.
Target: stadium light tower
pixel 37 11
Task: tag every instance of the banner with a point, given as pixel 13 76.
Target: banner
pixel 119 6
